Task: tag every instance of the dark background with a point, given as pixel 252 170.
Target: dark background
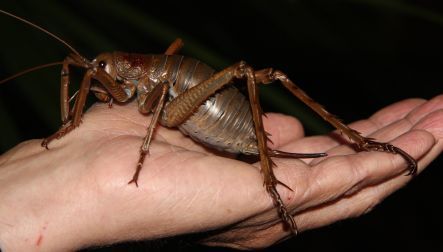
pixel 353 56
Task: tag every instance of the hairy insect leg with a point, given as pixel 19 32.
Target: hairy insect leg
pixel 269 75
pixel 157 95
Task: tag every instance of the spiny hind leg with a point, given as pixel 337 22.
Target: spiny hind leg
pixel 270 181
pixel 269 75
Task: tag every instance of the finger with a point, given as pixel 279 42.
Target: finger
pixel 412 111
pixel 394 112
pixel 348 207
pixel 282 129
pixel 432 123
pixel 432 105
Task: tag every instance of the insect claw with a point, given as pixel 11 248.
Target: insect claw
pixel 293 226
pixel 133 180
pixel 287 218
pixel 370 145
pixel 45 143
pixel 111 101
pixel 412 163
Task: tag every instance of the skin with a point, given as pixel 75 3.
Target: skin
pixel 76 194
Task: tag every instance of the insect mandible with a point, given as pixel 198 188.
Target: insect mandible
pixel 186 93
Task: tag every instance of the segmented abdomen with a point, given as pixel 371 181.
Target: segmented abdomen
pixel 224 121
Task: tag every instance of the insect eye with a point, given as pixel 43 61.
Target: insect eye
pixel 102 64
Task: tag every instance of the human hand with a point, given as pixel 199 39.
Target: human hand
pixel 76 194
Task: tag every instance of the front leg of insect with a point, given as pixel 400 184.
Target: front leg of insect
pixel 95 70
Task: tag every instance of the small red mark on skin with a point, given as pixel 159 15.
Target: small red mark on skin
pixel 39 240
pixel 289 198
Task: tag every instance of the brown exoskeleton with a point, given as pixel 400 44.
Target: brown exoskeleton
pixel 186 93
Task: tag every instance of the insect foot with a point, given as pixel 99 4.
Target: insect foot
pixel 282 210
pixel 371 145
pixel 64 129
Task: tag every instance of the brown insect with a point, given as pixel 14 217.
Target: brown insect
pixel 186 93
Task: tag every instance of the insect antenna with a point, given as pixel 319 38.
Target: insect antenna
pixel 43 30
pixel 30 70
pixel 48 33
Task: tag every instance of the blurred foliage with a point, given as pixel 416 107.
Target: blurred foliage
pixel 353 56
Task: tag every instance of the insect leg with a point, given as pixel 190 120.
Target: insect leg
pixel 174 47
pixel 270 181
pixel 179 109
pixel 283 154
pixel 77 110
pixel 114 89
pixel 101 94
pixel 269 75
pixel 157 95
pixel 74 60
